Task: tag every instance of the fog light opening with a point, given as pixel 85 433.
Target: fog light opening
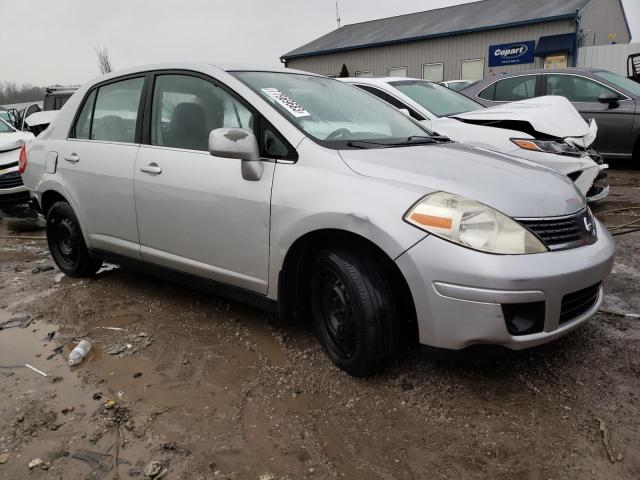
pixel 524 318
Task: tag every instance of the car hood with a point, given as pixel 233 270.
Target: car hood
pixel 518 188
pixel 13 140
pixel 548 115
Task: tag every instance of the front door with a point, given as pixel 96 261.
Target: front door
pixel 97 164
pixel 614 122
pixel 195 212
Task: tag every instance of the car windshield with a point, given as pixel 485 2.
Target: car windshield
pixel 440 101
pixel 337 115
pixel 5 128
pixel 620 81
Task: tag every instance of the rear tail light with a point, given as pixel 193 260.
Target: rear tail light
pixel 22 161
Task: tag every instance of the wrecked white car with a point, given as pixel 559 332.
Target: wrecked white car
pixel 546 130
pixel 13 194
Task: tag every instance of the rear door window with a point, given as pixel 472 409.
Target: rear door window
pixel 116 111
pixel 83 124
pixel 514 89
pixel 575 89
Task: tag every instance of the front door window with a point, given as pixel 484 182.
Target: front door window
pixel 186 109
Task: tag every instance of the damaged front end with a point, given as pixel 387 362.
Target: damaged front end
pixel 555 135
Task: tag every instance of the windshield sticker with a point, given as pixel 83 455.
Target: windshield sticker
pixel 286 102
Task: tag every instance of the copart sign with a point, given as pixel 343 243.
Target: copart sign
pixel 511 53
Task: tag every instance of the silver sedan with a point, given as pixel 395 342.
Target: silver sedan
pixel 313 199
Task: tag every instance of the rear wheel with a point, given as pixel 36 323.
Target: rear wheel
pixel 354 312
pixel 66 243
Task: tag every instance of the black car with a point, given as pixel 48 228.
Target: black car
pixel 611 99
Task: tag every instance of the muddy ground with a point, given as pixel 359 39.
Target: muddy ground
pixel 217 390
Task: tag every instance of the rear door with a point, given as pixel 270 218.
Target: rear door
pixel 98 160
pixel 195 212
pixel 614 122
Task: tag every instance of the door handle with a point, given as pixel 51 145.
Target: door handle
pixel 73 158
pixel 151 168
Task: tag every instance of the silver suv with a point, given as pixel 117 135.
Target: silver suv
pixel 313 199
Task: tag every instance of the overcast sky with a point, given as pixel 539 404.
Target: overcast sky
pixel 52 41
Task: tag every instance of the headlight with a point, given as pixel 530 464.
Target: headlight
pixel 472 224
pixel 548 146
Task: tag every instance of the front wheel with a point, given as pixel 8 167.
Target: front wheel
pixel 66 243
pixel 354 311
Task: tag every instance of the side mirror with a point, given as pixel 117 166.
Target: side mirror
pixel 405 111
pixel 241 144
pixel 609 97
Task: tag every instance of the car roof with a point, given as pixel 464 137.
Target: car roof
pixel 546 70
pixel 379 80
pixel 199 65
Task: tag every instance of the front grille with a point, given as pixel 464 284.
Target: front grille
pixel 562 233
pixel 19 198
pixel 8 165
pixel 10 180
pixel 576 303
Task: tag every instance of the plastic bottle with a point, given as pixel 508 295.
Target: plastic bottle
pixel 78 353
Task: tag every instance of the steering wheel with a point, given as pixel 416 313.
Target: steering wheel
pixel 339 133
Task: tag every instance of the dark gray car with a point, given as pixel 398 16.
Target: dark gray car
pixel 612 100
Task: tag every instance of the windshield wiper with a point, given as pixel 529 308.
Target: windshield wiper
pixel 412 140
pixel 429 139
pixel 359 144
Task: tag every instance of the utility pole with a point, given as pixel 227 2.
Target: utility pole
pixel 337 14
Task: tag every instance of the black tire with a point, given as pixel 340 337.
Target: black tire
pixel 66 242
pixel 354 311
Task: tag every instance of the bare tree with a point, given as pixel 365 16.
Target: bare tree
pixel 11 92
pixel 104 64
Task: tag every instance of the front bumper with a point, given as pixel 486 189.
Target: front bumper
pixel 459 293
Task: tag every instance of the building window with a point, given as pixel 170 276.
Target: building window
pixel 434 72
pixel 556 61
pixel 397 72
pixel 364 73
pixel 472 69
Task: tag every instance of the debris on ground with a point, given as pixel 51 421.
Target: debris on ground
pixel 129 345
pixel 4 457
pixel 606 440
pixel 22 321
pixel 98 462
pixel 37 462
pixel 31 367
pixel 173 447
pixel 79 352
pixel 43 268
pixel 154 470
pixel 109 404
pixel 618 313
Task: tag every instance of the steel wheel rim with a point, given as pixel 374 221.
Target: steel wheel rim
pixel 66 241
pixel 336 315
